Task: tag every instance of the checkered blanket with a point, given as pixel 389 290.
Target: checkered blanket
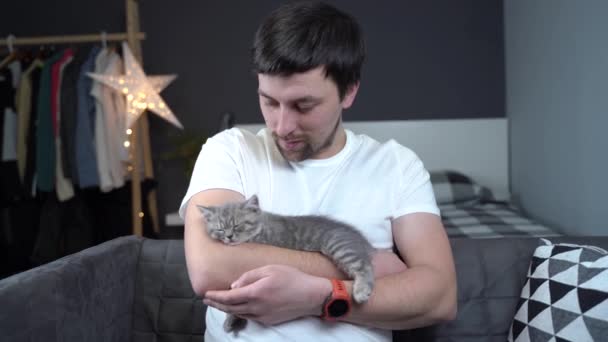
pixel 489 220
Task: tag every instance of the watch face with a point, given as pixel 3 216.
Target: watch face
pixel 338 308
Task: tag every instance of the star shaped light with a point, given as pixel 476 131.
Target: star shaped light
pixel 141 91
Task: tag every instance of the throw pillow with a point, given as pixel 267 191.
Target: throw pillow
pixel 452 187
pixel 565 297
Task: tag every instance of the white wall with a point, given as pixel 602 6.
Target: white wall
pixel 557 104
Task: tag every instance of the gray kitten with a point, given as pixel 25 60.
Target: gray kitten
pixel 235 223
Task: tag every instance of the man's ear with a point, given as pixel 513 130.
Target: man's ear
pixel 349 96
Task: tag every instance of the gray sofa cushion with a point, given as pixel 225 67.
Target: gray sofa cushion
pixel 491 274
pixel 165 307
pixel 82 297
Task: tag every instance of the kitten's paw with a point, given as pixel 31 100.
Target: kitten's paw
pixel 361 292
pixel 234 324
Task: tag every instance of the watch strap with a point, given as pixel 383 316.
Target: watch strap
pixel 338 293
pixel 339 289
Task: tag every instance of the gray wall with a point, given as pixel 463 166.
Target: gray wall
pixel 557 102
pixel 426 60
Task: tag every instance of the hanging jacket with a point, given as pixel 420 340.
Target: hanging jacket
pixel 45 140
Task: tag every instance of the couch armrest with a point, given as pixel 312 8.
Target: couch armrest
pixel 165 306
pixel 87 296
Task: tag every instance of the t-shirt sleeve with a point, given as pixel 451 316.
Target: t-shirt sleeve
pixel 415 191
pixel 218 166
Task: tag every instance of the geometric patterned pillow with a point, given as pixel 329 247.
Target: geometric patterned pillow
pixel 565 297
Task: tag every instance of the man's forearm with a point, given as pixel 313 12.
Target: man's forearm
pixel 236 260
pixel 213 265
pixel 413 298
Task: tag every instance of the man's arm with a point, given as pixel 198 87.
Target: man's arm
pixel 213 265
pixel 422 294
pixel 426 292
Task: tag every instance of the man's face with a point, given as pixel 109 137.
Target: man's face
pixel 303 111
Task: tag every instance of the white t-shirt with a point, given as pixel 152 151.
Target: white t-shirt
pixel 367 184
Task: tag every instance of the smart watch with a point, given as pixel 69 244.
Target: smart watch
pixel 337 303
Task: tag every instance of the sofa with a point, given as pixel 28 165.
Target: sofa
pixel 137 289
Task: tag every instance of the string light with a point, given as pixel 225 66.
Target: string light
pixel 141 91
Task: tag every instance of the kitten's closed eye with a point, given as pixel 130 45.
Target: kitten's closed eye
pixel 216 233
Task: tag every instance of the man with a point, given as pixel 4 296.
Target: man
pixel 308 58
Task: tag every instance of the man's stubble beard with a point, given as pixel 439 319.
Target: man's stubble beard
pixel 309 151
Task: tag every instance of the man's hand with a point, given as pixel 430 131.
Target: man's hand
pixel 272 294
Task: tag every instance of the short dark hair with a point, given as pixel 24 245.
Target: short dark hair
pixel 300 36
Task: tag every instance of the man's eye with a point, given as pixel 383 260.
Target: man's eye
pixel 271 103
pixel 304 108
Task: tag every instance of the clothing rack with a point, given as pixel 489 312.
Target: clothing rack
pixel 140 128
pixel 84 38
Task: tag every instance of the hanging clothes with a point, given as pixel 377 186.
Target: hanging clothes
pixel 101 143
pixel 29 183
pixel 63 186
pixel 7 98
pixel 65 154
pixel 86 155
pixel 45 140
pixel 10 189
pixel 69 108
pixel 9 141
pixel 114 107
pixel 24 101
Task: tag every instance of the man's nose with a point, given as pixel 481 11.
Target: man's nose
pixel 286 122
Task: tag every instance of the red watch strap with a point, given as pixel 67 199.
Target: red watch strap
pixel 339 289
pixel 338 292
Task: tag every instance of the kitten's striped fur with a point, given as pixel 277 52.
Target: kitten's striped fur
pixel 235 223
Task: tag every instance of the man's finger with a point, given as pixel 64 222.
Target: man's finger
pixel 229 297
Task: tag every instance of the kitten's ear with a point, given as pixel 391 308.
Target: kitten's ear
pixel 253 202
pixel 207 211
